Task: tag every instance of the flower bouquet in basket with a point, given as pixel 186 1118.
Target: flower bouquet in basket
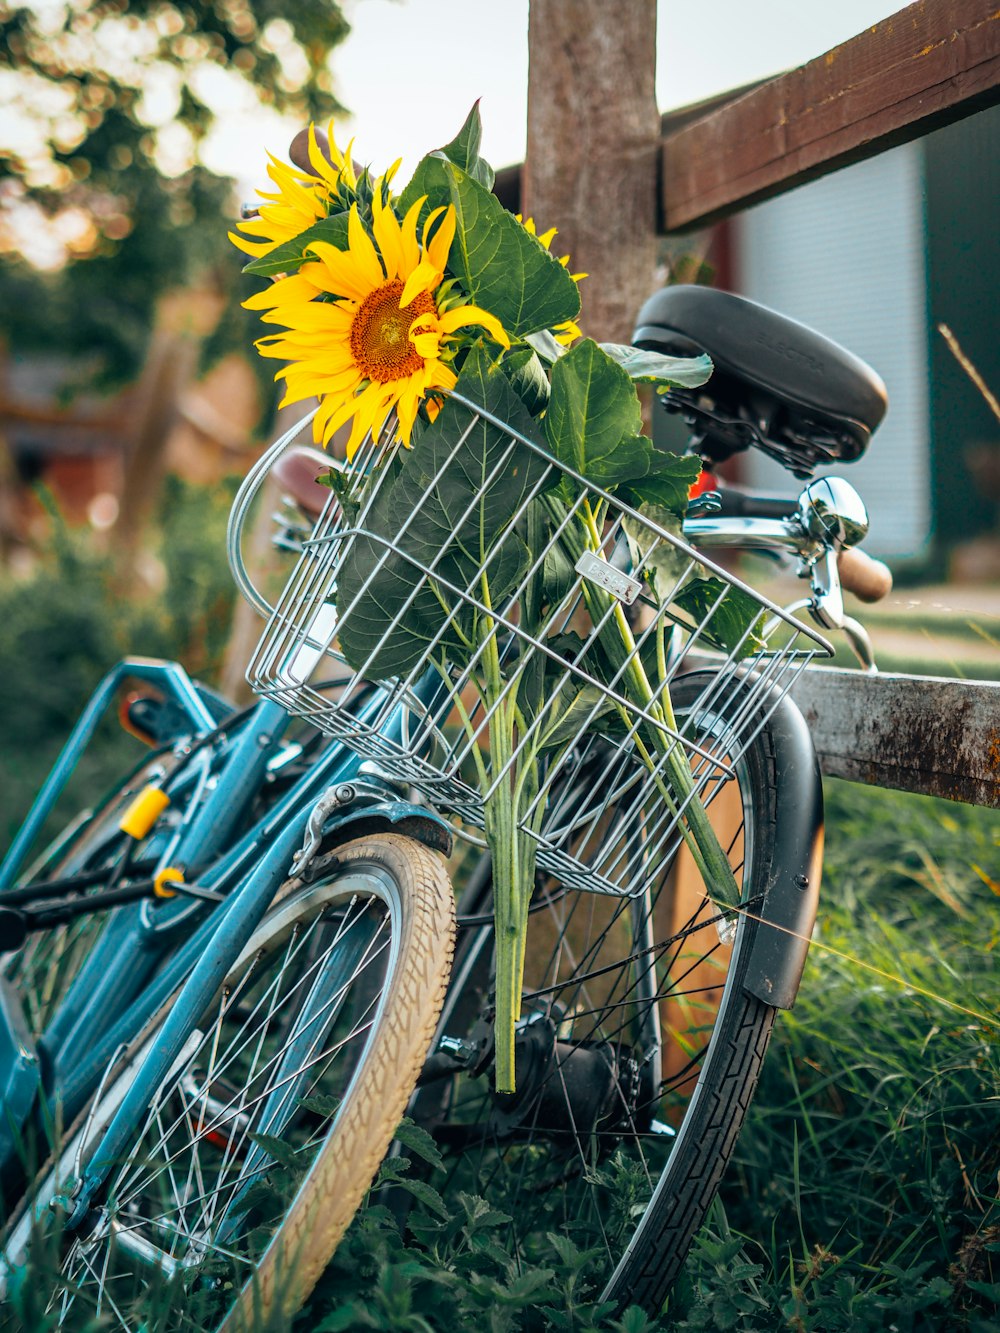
pixel 507 530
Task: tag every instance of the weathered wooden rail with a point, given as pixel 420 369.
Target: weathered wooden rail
pixel 926 66
pixel 921 734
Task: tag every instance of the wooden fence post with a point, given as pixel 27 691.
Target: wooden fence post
pixel 593 140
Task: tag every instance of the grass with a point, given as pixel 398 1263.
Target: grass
pixel 863 1194
pixel 865 1184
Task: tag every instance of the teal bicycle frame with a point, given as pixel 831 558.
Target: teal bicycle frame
pixel 148 949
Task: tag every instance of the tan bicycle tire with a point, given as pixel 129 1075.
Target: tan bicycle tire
pixel 346 1165
pixel 355 1142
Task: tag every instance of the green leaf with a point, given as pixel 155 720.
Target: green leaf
pixel 388 626
pixel 283 1153
pixel 390 609
pixel 661 562
pixel 546 345
pixel 505 269
pixel 634 1320
pixel 464 150
pixel 419 1141
pixel 425 1194
pixel 647 367
pixel 558 574
pixel 290 256
pixel 594 419
pixel 429 181
pixel 527 378
pixel 321 1103
pixel 667 483
pixel 735 621
pixel 479 1213
pixel 570 1254
pixel 574 707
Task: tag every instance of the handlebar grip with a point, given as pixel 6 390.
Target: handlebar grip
pixel 870 580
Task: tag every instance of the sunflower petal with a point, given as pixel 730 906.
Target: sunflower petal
pixel 408 236
pixel 387 235
pixel 255 248
pixel 424 278
pixel 440 245
pixel 461 316
pixel 345 277
pixel 293 288
pixel 362 249
pixel 427 344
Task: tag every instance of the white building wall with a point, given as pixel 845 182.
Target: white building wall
pixel 845 255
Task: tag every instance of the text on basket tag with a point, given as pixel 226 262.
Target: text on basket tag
pixel 614 581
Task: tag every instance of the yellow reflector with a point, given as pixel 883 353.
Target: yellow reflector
pixel 144 811
pixel 167 876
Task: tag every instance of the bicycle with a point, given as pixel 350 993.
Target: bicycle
pixel 647 1011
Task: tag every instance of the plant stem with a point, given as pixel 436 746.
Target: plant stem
pixel 696 827
pixel 512 850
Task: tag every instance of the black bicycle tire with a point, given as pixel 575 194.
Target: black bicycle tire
pixel 657 1250
pixel 698 1162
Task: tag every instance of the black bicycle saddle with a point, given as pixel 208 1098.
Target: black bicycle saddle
pixel 778 384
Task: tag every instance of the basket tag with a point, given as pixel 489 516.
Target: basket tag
pixel 300 664
pixel 614 581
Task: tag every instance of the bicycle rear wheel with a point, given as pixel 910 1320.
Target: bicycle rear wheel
pixel 638 1050
pixel 258 1147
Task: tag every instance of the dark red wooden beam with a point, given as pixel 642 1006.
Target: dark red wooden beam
pixel 932 63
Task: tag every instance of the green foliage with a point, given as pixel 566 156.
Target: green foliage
pixel 736 618
pixel 291 255
pixel 464 150
pixel 157 218
pixel 70 621
pixel 864 1182
pixel 648 367
pixel 594 419
pixel 377 585
pixel 450 1268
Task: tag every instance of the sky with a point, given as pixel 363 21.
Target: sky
pixel 410 69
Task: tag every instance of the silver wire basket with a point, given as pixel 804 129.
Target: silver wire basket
pixel 395 573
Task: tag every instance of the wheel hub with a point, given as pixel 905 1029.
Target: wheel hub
pixel 566 1087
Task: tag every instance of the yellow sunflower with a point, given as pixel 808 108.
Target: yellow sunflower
pixel 568 331
pixel 380 335
pixel 301 199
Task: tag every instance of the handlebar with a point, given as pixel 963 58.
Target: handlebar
pixel 738 502
pixel 870 580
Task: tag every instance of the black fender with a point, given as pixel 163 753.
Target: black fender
pixel 390 816
pixel 788 914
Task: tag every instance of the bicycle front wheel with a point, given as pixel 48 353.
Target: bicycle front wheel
pixel 638 1050
pixel 258 1148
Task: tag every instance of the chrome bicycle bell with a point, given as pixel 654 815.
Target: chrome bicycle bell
pixel 831 511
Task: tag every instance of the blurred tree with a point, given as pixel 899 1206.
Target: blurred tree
pixel 107 104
